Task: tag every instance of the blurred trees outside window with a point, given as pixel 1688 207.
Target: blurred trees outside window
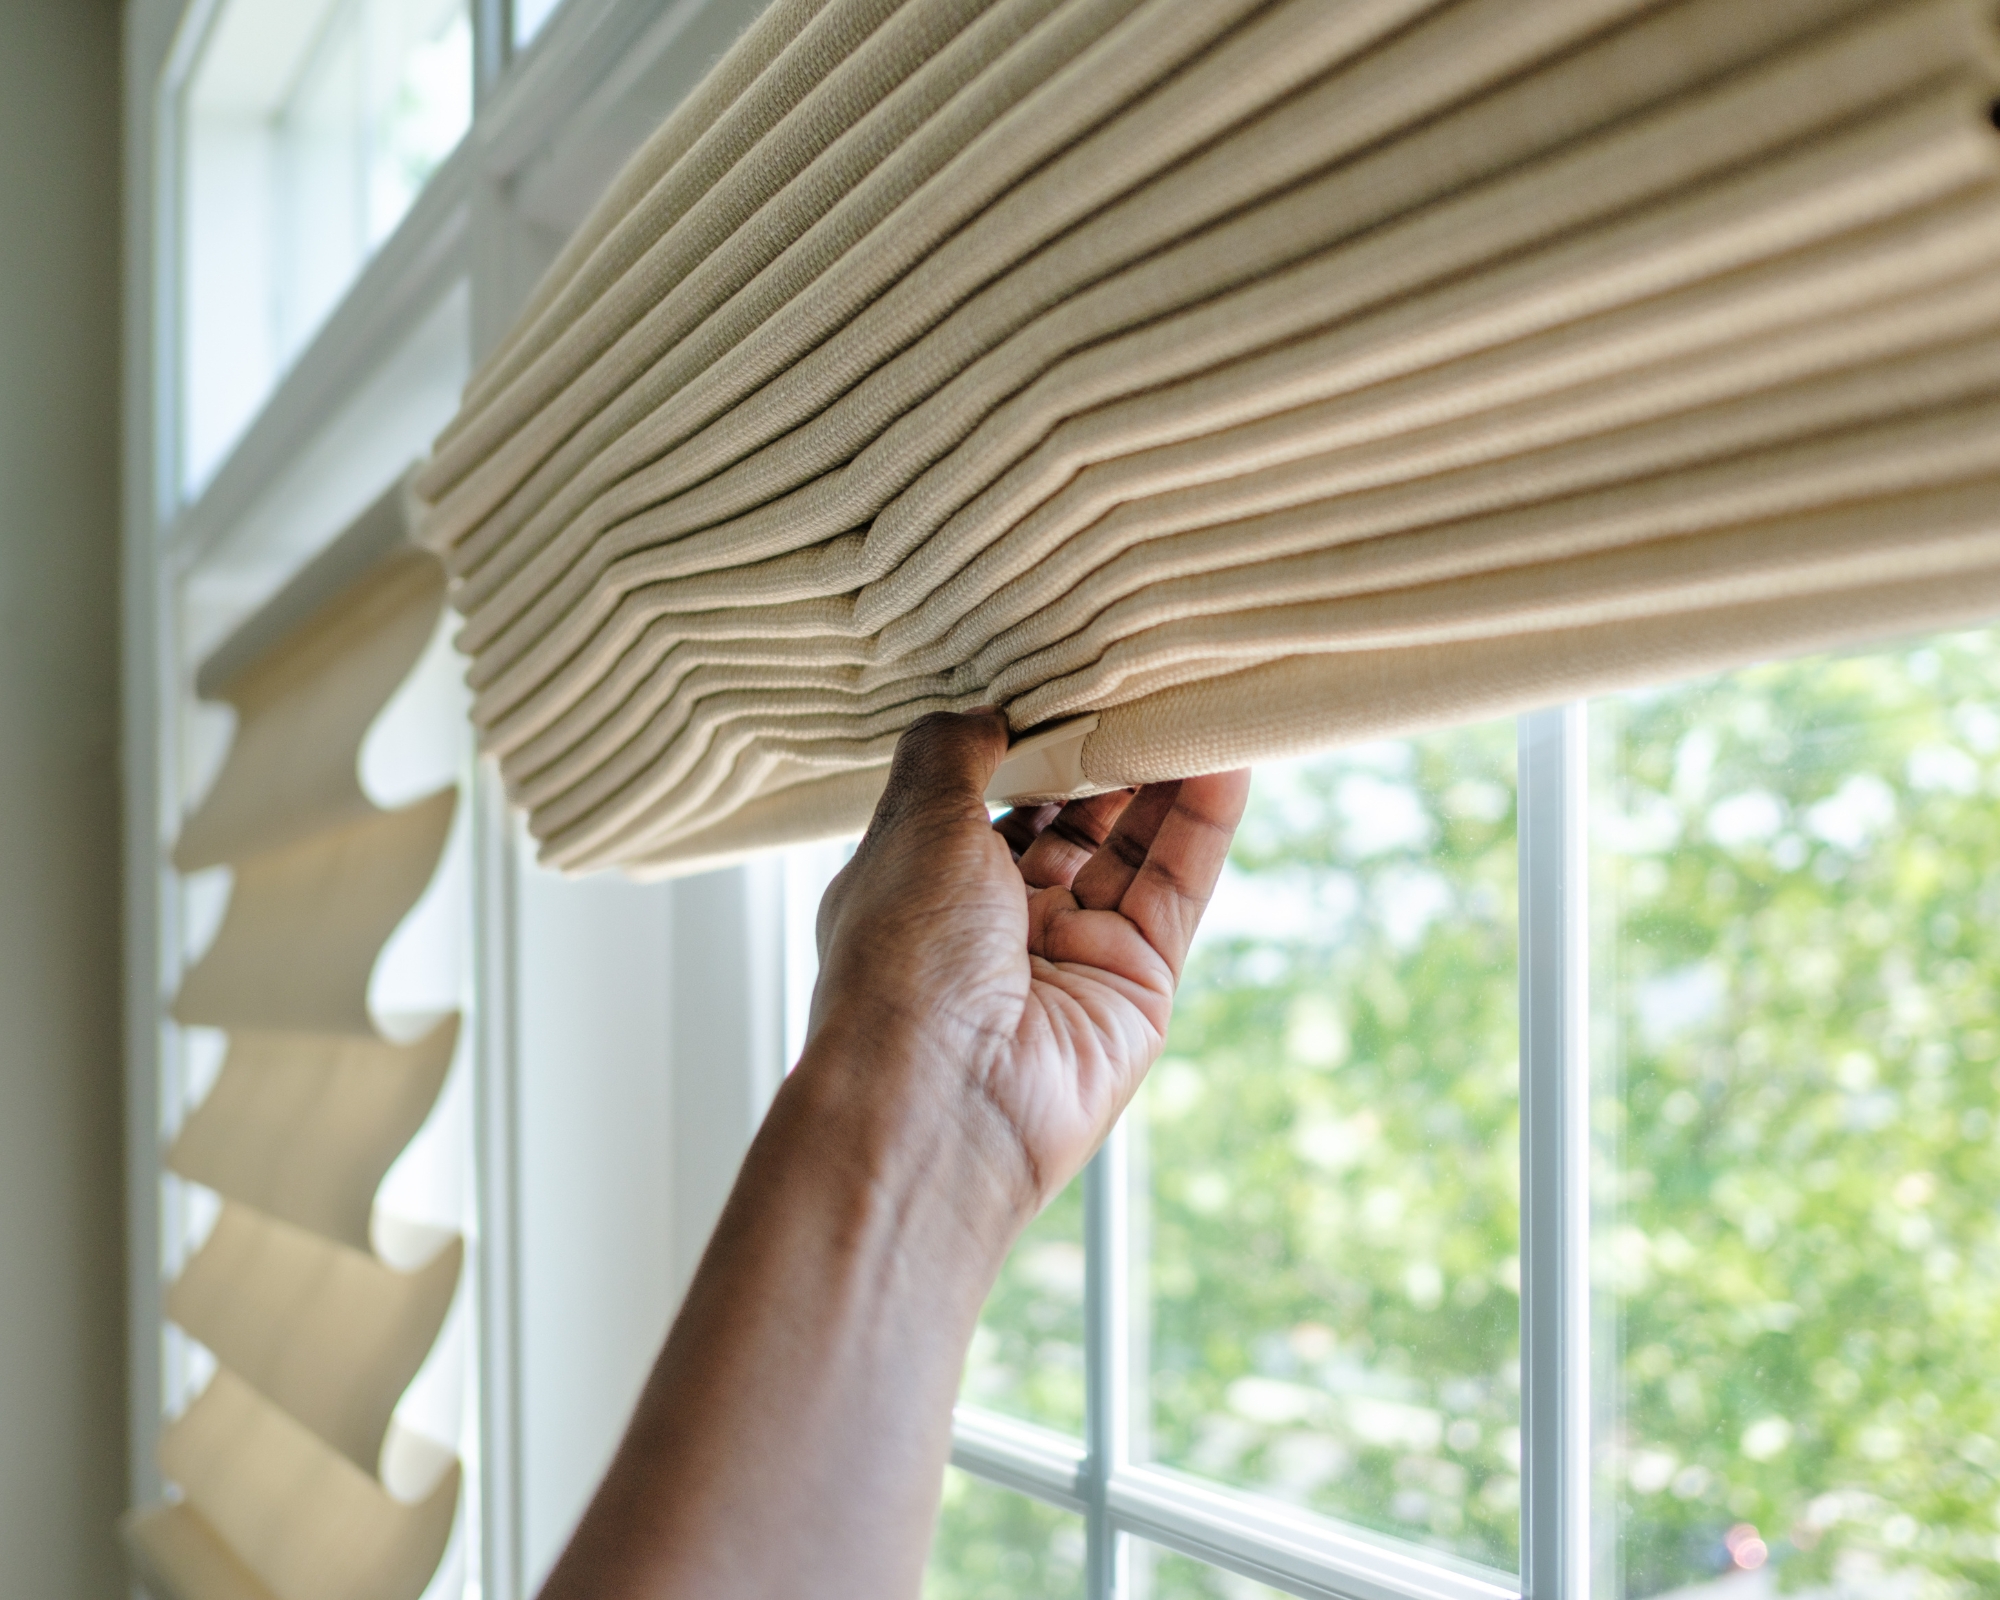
pixel 1327 1156
pixel 1795 878
pixel 1797 882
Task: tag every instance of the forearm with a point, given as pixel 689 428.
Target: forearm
pixel 793 1434
pixel 980 1021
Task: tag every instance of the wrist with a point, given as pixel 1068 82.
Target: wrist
pixel 913 1133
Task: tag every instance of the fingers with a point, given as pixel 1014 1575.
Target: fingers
pixel 1159 864
pixel 1020 826
pixel 1102 882
pixel 1070 838
pixel 942 765
pixel 929 888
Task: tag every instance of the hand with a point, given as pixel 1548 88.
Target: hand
pixel 989 998
pixel 1018 973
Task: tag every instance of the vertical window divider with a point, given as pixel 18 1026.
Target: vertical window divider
pixel 499 1480
pixel 1107 1368
pixel 492 45
pixel 1555 1156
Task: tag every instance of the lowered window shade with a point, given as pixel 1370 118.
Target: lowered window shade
pixel 280 1460
pixel 1209 380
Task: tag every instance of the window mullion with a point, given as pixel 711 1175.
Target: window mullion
pixel 1107 1367
pixel 492 45
pixel 1555 1158
pixel 497 1162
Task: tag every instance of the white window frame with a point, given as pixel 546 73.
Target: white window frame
pixel 469 231
pixel 1309 1555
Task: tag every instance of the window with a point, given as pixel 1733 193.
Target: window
pixel 310 128
pixel 529 16
pixel 1794 886
pixel 1304 1287
pixel 992 1542
pixel 1279 1318
pixel 1324 1228
pixel 318 275
pixel 1573 1166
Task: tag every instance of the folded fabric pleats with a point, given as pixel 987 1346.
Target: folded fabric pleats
pixel 1164 371
pixel 282 1461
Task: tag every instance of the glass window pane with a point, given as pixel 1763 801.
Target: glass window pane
pixel 1027 1353
pixel 310 127
pixel 994 1544
pixel 1797 876
pixel 1326 1287
pixel 1162 1574
pixel 529 18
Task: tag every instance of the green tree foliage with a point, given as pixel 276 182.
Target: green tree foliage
pixel 1325 1178
pixel 1798 874
pixel 993 1544
pixel 1026 1359
pixel 1796 883
pixel 1329 1153
pixel 1157 1573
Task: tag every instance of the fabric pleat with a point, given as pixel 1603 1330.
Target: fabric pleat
pixel 301 1520
pixel 304 1126
pixel 1071 355
pixel 322 1329
pixel 307 920
pixel 178 1556
pixel 279 1461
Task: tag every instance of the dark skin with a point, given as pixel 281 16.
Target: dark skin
pixel 990 997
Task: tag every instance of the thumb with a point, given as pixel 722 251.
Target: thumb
pixel 942 766
pixel 936 789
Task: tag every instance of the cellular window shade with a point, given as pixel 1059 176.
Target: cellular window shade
pixel 1209 380
pixel 279 1462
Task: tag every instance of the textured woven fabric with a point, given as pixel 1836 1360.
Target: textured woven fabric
pixel 279 1462
pixel 1087 357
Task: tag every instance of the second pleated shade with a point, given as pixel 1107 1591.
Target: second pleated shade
pixel 279 1460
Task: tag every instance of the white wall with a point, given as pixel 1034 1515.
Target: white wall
pixel 650 1040
pixel 62 1381
pixel 594 1231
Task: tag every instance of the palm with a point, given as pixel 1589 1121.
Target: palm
pixel 1115 886
pixel 1091 1023
pixel 1040 951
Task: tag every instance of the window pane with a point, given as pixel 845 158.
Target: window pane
pixel 529 18
pixel 1326 1159
pixel 1796 875
pixel 1027 1353
pixel 994 1544
pixel 310 128
pixel 1160 1574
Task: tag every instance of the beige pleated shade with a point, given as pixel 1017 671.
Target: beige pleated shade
pixel 307 920
pixel 180 1557
pixel 316 686
pixel 299 1520
pixel 279 1462
pixel 304 1126
pixel 1206 380
pixel 324 1330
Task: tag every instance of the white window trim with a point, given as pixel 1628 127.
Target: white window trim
pixel 465 229
pixel 1262 1539
pixel 1551 779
